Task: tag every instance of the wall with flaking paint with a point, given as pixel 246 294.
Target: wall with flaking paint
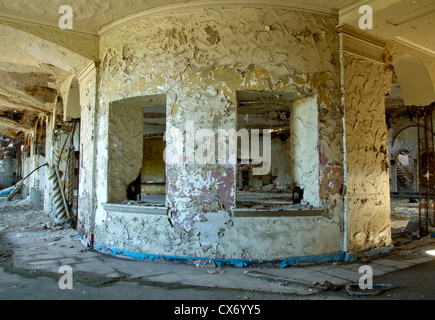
pixel 304 150
pixel 199 59
pixel 87 169
pixel 367 169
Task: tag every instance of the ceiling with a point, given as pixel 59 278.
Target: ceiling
pixel 412 21
pixel 37 57
pixel 91 16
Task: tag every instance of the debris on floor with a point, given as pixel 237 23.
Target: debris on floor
pixel 405 221
pixel 285 280
pixel 355 290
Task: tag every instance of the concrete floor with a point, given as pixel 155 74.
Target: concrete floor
pixel 31 253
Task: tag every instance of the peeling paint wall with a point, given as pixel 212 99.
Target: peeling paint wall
pixel 199 59
pixel 87 169
pixel 367 169
pixel 304 151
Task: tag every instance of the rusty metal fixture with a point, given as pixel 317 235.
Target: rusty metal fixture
pixel 426 168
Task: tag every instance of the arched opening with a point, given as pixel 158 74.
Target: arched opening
pixel 415 81
pixel 409 108
pixel 72 106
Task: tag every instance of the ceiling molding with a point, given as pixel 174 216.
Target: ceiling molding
pixel 413 45
pixel 84 44
pixel 362 44
pixel 357 33
pixel 175 8
pixel 26 19
pixel 86 72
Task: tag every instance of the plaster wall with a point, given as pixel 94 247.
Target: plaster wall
pixel 304 150
pixel 48 156
pixel 199 59
pixel 367 175
pixel 87 168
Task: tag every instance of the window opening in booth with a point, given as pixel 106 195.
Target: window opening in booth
pixel 286 119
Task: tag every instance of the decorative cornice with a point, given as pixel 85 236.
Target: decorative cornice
pixel 413 45
pixel 85 73
pixel 174 8
pixel 84 44
pixel 24 19
pixel 362 44
pixel 357 33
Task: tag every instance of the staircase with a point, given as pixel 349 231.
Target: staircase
pixel 403 175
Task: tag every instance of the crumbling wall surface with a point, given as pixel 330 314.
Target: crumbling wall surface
pixel 367 173
pixel 199 58
pixel 48 147
pixel 87 169
pixel 304 129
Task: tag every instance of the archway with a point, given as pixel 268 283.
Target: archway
pixel 72 105
pixel 409 107
pixel 415 81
